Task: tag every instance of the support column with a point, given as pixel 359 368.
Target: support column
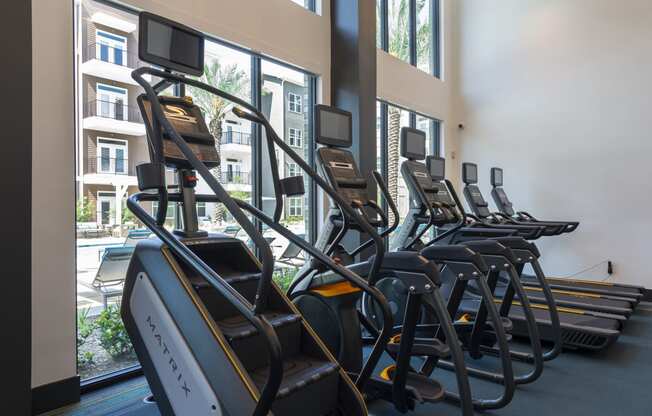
pixel 353 77
pixel 16 174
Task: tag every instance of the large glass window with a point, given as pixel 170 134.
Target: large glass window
pixel 108 151
pixel 410 30
pixel 398 15
pixel 229 70
pixel 284 92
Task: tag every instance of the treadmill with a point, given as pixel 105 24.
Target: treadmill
pixel 588 288
pixel 581 329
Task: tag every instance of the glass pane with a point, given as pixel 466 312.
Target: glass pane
pixel 120 161
pixel 396 119
pixel 424 35
pixel 230 71
pixel 398 14
pixel 308 4
pixel 379 24
pixel 280 84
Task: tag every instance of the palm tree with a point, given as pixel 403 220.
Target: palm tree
pixel 228 78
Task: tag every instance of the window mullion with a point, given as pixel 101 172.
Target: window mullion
pixel 384 25
pixel 435 38
pixel 256 134
pixel 412 27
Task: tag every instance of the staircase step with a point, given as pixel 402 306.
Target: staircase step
pixel 309 386
pixel 237 327
pixel 251 347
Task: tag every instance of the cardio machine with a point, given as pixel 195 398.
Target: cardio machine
pixel 333 307
pixel 214 334
pixel 431 206
pixel 575 328
pixel 595 289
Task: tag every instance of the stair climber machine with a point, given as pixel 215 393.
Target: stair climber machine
pixel 428 208
pixel 424 329
pixel 625 297
pixel 575 328
pixel 214 334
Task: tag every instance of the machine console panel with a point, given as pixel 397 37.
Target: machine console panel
pixel 188 121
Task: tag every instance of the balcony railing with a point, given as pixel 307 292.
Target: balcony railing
pixel 236 178
pixel 112 55
pixel 112 166
pixel 112 109
pixel 236 137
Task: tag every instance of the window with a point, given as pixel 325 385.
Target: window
pixel 295 207
pixel 112 156
pixel 201 210
pixel 169 214
pixel 410 30
pixel 308 4
pixel 111 47
pixel 284 94
pixel 294 119
pixel 294 103
pixel 296 136
pixel 390 120
pixel 111 102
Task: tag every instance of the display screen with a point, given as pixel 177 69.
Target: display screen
pixel 416 143
pixel 470 173
pixel 498 177
pixel 335 126
pixel 173 44
pixel 437 167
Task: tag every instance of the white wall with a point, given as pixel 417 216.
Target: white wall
pixel 277 28
pixel 404 85
pixel 558 93
pixel 53 193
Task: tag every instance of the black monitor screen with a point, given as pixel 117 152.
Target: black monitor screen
pixel 334 126
pixel 437 168
pixel 413 143
pixel 497 177
pixel 470 173
pixel 171 45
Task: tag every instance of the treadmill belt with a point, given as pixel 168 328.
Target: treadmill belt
pixel 632 290
pixel 516 313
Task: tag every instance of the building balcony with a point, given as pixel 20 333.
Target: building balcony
pixel 110 171
pixel 115 21
pixel 236 181
pixel 235 142
pixel 113 117
pixel 108 62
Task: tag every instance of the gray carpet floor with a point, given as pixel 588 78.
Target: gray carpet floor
pixel 614 382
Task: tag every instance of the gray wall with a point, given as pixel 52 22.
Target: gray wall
pixel 558 93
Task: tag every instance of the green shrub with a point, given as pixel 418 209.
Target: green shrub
pixel 84 209
pixel 284 277
pixel 85 328
pixel 113 335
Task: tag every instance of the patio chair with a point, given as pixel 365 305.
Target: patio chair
pixel 110 275
pixel 134 236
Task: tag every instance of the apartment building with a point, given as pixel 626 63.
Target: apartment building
pixel 110 132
